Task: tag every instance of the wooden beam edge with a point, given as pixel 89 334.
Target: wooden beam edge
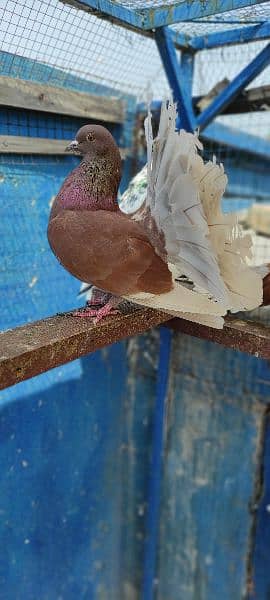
pixel 237 334
pixel 37 347
pixel 20 144
pixel 29 95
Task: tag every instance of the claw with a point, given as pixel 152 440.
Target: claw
pixel 98 313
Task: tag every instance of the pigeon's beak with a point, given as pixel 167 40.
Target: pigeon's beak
pixel 72 147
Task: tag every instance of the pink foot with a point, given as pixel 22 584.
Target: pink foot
pixel 98 298
pixel 98 313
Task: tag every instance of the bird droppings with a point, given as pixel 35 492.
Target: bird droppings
pixel 27 541
pixel 24 464
pixel 33 282
pixel 267 508
pixel 141 510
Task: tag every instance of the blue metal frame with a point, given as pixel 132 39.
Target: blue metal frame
pixel 151 18
pixel 180 80
pixel 187 70
pixel 228 136
pixel 180 87
pixel 240 35
pixel 233 89
pixel 154 495
pixel 190 10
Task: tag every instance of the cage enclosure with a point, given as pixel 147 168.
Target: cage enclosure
pixel 132 466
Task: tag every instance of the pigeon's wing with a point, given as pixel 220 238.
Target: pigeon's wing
pixel 109 250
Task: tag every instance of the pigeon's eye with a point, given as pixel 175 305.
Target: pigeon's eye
pixel 90 137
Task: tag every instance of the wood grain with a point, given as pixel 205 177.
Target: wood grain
pixel 19 93
pixel 19 144
pixel 37 347
pixel 246 336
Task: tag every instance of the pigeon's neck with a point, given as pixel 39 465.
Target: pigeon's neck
pixel 91 186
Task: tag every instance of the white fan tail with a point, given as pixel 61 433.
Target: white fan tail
pixel 184 200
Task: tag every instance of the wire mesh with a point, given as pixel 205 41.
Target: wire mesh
pixel 79 43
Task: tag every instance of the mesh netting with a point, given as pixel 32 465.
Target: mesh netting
pixel 81 44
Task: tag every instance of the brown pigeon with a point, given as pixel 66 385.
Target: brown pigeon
pixel 178 252
pixel 89 234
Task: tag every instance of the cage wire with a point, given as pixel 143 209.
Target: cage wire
pixel 79 44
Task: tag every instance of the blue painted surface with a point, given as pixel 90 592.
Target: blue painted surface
pixel 239 140
pixel 74 469
pixel 233 89
pixel 247 177
pixel 216 408
pixel 46 125
pixel 28 268
pixel 261 554
pixel 238 35
pixel 188 10
pixel 64 446
pixel 60 466
pixel 155 476
pixel 153 17
pixel 187 72
pixel 180 87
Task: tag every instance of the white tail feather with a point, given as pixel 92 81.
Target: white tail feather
pixel 184 199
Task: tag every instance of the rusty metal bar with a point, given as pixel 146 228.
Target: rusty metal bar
pixel 37 347
pixel 246 336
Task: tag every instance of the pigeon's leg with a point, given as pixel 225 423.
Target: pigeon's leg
pixel 98 298
pixel 110 308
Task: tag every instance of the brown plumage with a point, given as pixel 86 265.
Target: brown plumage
pixel 89 234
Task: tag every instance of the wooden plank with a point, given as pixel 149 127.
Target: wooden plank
pixel 212 477
pixel 19 93
pixel 37 347
pixel 255 99
pixel 19 144
pixel 246 336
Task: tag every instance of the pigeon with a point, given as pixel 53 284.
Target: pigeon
pixel 177 252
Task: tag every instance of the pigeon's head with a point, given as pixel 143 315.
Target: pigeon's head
pixel 93 140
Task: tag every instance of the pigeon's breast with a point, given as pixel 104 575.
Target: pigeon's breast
pixel 109 250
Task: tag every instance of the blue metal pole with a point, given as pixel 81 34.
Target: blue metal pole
pixel 154 495
pixel 240 35
pixel 234 88
pixel 179 84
